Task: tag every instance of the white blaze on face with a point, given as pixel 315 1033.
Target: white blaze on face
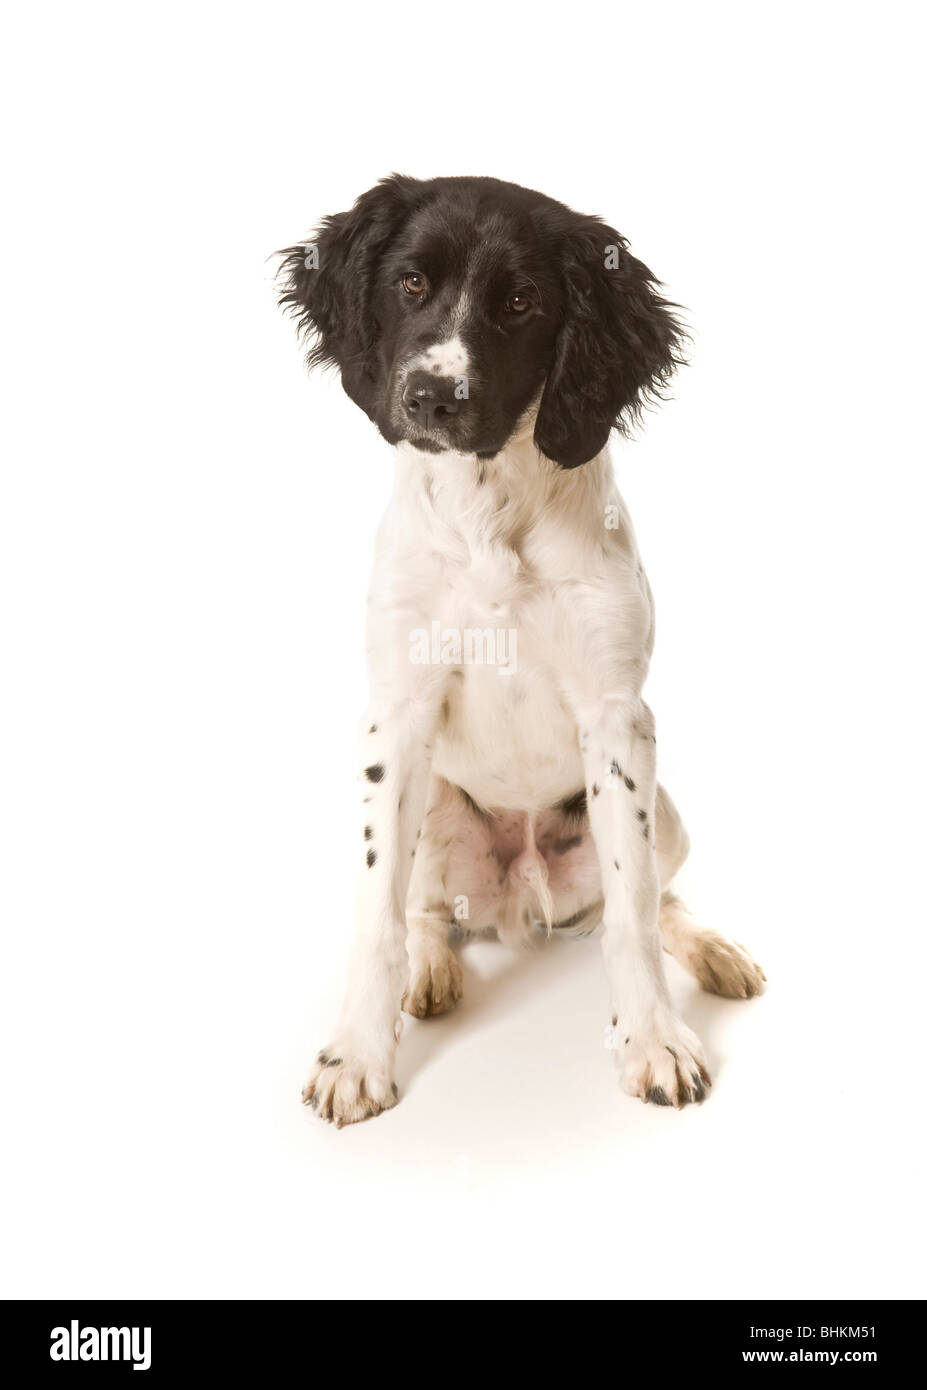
pixel 444 359
pixel 449 357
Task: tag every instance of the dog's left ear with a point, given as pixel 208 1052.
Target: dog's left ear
pixel 618 346
pixel 327 285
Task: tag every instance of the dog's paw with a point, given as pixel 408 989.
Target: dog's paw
pixel 664 1063
pixel 345 1088
pixel 435 977
pixel 724 967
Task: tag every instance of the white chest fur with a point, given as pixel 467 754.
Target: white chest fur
pixel 500 572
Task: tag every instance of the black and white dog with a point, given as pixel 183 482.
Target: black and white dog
pixel 508 761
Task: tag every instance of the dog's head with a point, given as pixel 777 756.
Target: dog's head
pixel 451 305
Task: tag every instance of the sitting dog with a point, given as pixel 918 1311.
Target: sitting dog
pixel 496 338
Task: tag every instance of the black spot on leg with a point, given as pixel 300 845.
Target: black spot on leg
pixel 614 1020
pixel 322 1059
pixel 373 728
pixel 573 807
pixel 630 784
pixel 642 815
pixel 374 773
pixel 646 832
pixel 595 789
pixel 658 1096
pixel 371 858
pixel 617 865
pixel 368 832
pixel 615 770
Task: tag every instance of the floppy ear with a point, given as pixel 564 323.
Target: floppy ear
pixel 616 351
pixel 327 283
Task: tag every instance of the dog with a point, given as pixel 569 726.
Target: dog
pixel 497 338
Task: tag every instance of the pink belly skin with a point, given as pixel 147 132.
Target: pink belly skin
pixel 512 871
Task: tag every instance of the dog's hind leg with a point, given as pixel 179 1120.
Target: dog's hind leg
pixel 435 978
pixel 719 965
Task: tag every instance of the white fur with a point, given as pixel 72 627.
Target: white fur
pixel 551 554
pixel 449 358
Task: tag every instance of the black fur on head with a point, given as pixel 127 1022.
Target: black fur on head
pixel 452 307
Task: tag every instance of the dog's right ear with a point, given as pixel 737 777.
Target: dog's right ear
pixel 327 284
pixel 617 348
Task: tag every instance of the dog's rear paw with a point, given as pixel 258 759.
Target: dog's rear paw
pixel 346 1089
pixel 664 1064
pixel 435 977
pixel 724 967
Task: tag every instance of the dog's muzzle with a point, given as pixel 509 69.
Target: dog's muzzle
pixel 431 401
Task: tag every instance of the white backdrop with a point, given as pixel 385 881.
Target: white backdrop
pixel 180 686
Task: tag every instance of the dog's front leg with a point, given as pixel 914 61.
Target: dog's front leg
pixel 662 1059
pixel 353 1076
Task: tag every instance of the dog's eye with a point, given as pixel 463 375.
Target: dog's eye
pixel 414 283
pixel 517 304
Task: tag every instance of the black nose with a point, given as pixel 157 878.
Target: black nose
pixel 430 400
